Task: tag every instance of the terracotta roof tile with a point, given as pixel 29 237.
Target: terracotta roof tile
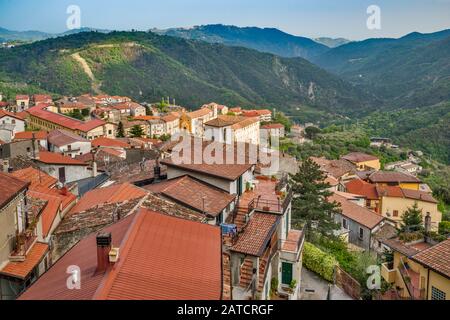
pixel 26 135
pixel 36 177
pixel 436 258
pixel 50 211
pixel 337 168
pixel 224 121
pixel 194 193
pixel 256 234
pixel 4 113
pixel 62 137
pixel 10 187
pixel 107 142
pixel 199 113
pixel 112 194
pixel 272 126
pixel 22 269
pixel 363 188
pixel 56 158
pixel 392 176
pixel 358 157
pixel 359 214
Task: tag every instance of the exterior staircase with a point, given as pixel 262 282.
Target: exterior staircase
pixel 246 273
pixel 240 218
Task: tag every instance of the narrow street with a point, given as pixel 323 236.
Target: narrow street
pixel 316 288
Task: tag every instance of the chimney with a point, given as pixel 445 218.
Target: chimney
pixel 94 169
pixel 103 249
pixel 5 165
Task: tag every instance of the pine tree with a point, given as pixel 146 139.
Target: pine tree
pixel 310 201
pixel 136 131
pixel 120 131
pixel 412 219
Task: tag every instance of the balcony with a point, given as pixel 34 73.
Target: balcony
pixel 412 281
pixel 292 245
pixel 388 272
pixel 23 243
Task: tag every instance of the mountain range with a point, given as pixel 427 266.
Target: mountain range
pixel 147 66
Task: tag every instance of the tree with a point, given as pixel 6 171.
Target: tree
pixel 85 112
pixel 148 111
pixel 136 131
pixel 412 219
pixel 312 132
pixel 120 131
pixel 310 201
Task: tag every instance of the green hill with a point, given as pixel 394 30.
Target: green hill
pixel 269 40
pixel 412 71
pixel 146 66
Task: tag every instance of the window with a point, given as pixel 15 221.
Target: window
pixel 395 213
pixel 437 294
pixel 361 233
pixel 344 223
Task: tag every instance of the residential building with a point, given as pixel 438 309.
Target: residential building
pixel 341 170
pixel 227 173
pixel 192 122
pixel 67 143
pixel 22 257
pixel 172 123
pixel 63 168
pixel 157 128
pixel 24 148
pixel 389 178
pixel 139 238
pixel 360 222
pixel 40 136
pixel 215 203
pixel 41 98
pixel 22 102
pixel 221 109
pixel 41 118
pixel 273 129
pixel 379 142
pixel 263 115
pixel 419 270
pixel 363 161
pixel 12 123
pixel 392 201
pixel 232 129
pixel 265 246
pixel 57 202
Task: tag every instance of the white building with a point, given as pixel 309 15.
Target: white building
pixel 10 124
pixel 67 143
pixel 230 129
pixel 63 168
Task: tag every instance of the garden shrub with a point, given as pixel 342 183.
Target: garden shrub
pixel 318 261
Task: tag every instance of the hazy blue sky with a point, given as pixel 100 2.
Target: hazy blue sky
pixel 312 18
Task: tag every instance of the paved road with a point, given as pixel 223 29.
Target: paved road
pixel 316 288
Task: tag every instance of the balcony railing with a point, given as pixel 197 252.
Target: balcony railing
pixel 411 280
pixel 278 206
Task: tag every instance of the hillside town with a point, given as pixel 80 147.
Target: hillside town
pixel 92 186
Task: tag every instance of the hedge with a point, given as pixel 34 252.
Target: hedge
pixel 444 227
pixel 318 261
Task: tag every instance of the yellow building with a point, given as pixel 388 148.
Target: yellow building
pixel 41 118
pixel 393 178
pixel 419 270
pixel 363 161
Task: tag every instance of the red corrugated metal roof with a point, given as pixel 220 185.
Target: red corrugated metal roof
pixel 167 258
pixel 160 257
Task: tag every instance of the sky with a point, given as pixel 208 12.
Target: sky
pixel 310 18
